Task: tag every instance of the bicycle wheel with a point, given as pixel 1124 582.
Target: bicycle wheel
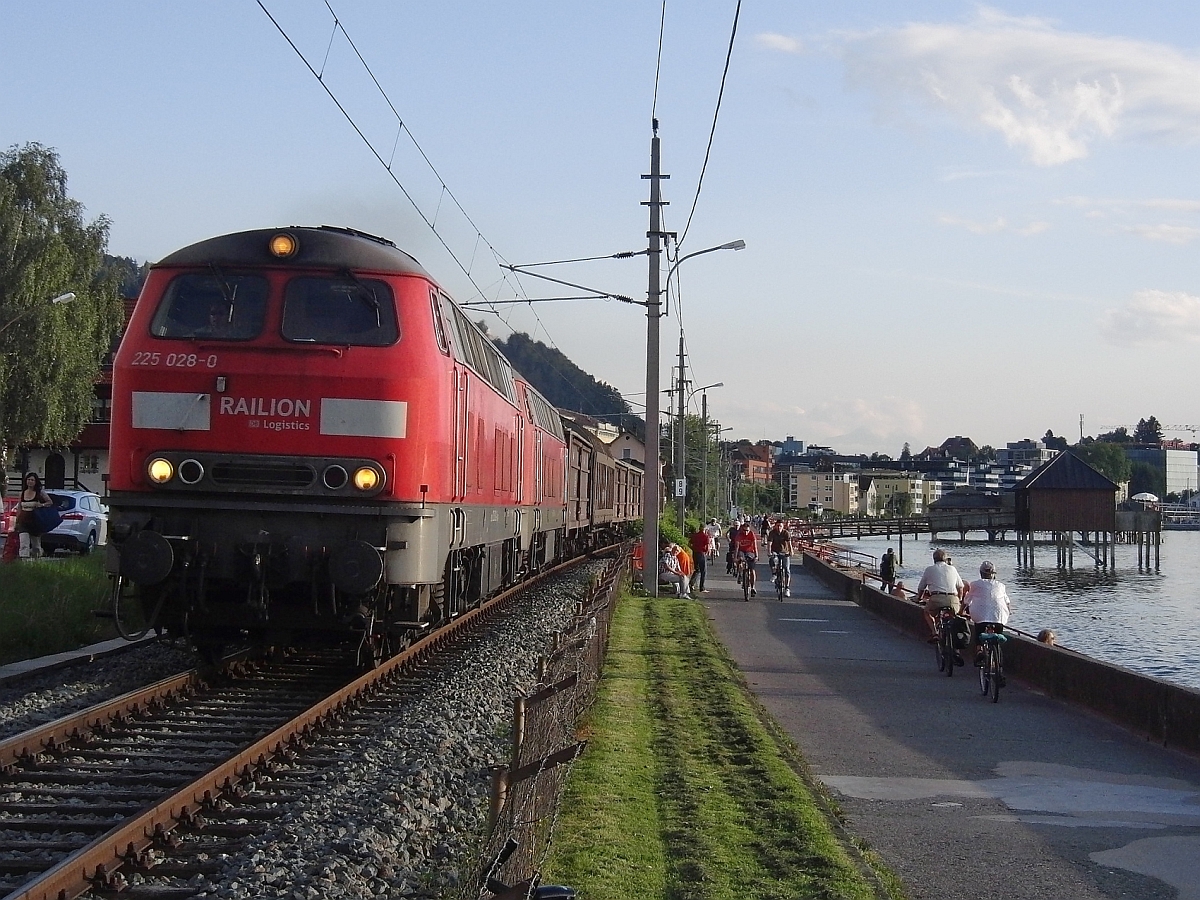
pixel 948 651
pixel 997 672
pixel 746 587
pixel 985 671
pixel 938 657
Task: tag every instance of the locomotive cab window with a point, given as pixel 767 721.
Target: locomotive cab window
pixel 212 306
pixel 341 309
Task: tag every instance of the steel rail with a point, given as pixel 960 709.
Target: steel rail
pixel 50 736
pixel 97 865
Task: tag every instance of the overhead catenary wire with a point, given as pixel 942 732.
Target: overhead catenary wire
pixel 662 24
pixel 485 304
pixel 716 113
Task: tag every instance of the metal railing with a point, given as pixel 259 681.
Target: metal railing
pixel 526 792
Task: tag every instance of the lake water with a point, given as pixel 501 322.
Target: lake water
pixel 1144 621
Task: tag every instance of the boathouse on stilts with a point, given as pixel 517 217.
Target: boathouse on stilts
pixel 1065 499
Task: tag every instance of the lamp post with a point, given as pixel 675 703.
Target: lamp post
pixel 704 458
pixel 61 298
pixel 681 444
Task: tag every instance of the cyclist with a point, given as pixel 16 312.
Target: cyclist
pixel 779 542
pixel 987 603
pixel 940 586
pixel 713 530
pixel 745 544
pixel 731 555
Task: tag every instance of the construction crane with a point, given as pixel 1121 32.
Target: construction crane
pixel 1192 428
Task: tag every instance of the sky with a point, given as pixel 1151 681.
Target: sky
pixel 960 219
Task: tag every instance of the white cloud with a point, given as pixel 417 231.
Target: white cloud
pixel 1050 93
pixel 780 42
pixel 1001 224
pixel 1153 317
pixel 1169 234
pixel 851 424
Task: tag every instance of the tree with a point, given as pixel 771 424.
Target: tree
pixel 1144 477
pixel 1148 431
pixel 906 452
pixel 50 354
pixel 987 453
pixel 1053 442
pixel 900 504
pixel 1105 457
pixel 566 385
pixel 129 275
pixel 1117 436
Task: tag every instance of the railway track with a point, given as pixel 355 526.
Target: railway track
pixel 151 786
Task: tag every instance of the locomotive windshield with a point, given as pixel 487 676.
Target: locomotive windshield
pixel 212 306
pixel 342 309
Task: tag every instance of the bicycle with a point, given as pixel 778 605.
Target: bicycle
pixel 944 648
pixel 991 673
pixel 783 575
pixel 746 575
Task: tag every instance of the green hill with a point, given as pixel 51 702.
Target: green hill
pixel 565 384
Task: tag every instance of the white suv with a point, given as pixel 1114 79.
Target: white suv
pixel 84 521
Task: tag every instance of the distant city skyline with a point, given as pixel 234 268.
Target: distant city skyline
pixel 959 218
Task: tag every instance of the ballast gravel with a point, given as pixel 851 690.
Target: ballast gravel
pixel 401 811
pixel 44 697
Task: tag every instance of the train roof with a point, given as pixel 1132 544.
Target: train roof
pixel 322 247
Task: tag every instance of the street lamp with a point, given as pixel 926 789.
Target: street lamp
pixel 61 298
pixel 703 392
pixel 680 445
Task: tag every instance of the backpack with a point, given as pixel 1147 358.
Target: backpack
pixel 961 633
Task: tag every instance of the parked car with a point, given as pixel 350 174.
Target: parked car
pixel 84 524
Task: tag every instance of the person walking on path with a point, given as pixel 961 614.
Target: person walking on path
pixel 887 571
pixel 701 543
pixel 940 586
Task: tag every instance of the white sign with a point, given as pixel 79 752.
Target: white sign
pixel 680 487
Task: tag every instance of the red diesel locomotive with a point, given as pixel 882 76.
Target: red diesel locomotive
pixel 311 441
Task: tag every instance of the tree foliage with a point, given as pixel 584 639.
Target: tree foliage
pixel 1148 431
pixel 900 504
pixel 1054 442
pixel 50 354
pixel 127 272
pixel 1144 477
pixel 565 384
pixel 1119 435
pixel 1105 457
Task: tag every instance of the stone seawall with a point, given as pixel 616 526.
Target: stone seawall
pixel 1165 713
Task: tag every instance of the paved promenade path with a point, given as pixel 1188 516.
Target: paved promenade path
pixel 963 798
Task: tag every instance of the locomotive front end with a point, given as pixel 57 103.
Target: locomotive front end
pixel 265 396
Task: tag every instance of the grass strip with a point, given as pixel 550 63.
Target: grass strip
pixel 684 793
pixel 47 606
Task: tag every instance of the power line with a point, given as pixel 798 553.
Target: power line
pixel 387 164
pixel 662 24
pixel 716 112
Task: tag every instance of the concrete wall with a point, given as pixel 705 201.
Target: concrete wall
pixel 1165 713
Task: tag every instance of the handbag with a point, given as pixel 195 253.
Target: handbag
pixel 45 518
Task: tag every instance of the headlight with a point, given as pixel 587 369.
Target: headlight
pixel 366 478
pixel 160 470
pixel 283 245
